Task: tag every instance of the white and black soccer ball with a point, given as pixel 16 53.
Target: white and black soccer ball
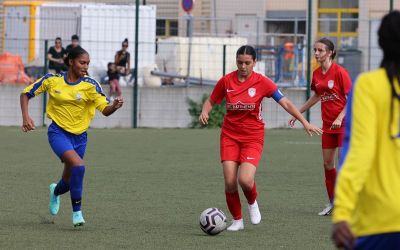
pixel 212 221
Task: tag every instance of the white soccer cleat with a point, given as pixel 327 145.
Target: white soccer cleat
pixel 255 215
pixel 236 225
pixel 327 210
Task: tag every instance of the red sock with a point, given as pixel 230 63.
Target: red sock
pixel 251 195
pixel 330 179
pixel 233 201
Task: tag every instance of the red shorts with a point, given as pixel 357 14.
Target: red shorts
pixel 233 150
pixel 332 140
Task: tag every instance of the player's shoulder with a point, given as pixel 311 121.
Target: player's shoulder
pixel 370 78
pixel 340 69
pixel 230 75
pixel 90 80
pixel 52 76
pixel 92 83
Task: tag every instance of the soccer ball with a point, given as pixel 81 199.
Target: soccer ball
pixel 212 221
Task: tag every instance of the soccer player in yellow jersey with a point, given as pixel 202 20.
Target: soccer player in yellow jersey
pixel 73 99
pixel 366 212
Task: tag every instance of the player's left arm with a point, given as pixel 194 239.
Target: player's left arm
pixel 117 103
pixel 337 123
pixel 345 83
pixel 102 103
pixel 292 109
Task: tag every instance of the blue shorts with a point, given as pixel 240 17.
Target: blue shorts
pixel 387 241
pixel 62 141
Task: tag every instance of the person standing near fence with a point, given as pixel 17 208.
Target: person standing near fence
pixel 367 202
pixel 73 99
pixel 56 55
pixel 242 134
pixel 123 59
pixel 74 43
pixel 331 83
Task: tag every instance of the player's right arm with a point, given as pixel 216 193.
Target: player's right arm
pixel 207 107
pixel 27 122
pixel 307 105
pixel 32 90
pixel 216 96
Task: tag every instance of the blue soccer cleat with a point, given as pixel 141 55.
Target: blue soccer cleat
pixel 54 204
pixel 77 219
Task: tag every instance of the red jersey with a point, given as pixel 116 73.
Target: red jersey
pixel 332 87
pixel 243 120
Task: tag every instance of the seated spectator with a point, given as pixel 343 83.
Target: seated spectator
pixel 56 55
pixel 113 79
pixel 122 59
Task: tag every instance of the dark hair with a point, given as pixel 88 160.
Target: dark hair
pixel 74 53
pixel 125 41
pixel 329 44
pixel 75 37
pixel 247 50
pixel 58 38
pixel 389 40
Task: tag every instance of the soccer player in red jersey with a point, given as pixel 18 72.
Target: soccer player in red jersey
pixel 242 134
pixel 331 83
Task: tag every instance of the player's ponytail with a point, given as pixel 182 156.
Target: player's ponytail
pixel 329 45
pixel 247 50
pixel 73 54
pixel 389 40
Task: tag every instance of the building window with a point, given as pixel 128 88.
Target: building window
pixel 160 27
pixel 338 20
pixel 166 27
pixel 338 4
pixel 173 27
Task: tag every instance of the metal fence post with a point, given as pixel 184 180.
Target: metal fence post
pixel 135 85
pixel 45 70
pixel 309 17
pixel 224 60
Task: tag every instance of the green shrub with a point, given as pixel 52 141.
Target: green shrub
pixel 216 116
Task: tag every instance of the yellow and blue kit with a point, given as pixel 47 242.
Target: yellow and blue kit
pixel 367 191
pixel 71 107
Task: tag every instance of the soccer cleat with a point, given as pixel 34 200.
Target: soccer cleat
pixel 236 225
pixel 77 219
pixel 54 204
pixel 327 210
pixel 255 215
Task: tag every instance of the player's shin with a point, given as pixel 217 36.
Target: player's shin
pixel 61 188
pixel 76 187
pixel 251 195
pixel 234 206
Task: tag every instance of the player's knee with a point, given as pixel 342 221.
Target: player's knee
pixel 246 182
pixel 74 161
pixel 230 186
pixel 329 164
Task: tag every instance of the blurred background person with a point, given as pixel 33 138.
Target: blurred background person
pixel 74 43
pixel 122 59
pixel 56 55
pixel 113 79
pixel 366 214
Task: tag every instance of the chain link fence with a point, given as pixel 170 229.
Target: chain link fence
pixel 195 50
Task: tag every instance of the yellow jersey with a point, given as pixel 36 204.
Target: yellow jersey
pixel 367 191
pixel 71 105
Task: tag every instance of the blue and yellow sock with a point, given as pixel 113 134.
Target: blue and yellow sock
pixel 61 188
pixel 76 187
